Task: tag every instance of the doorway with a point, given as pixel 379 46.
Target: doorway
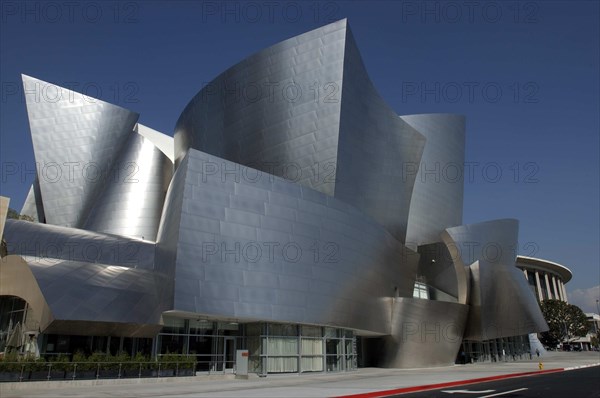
pixel 229 348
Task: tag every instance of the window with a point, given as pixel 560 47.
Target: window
pixel 420 291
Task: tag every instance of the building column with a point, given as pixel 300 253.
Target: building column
pixel 564 289
pixel 538 286
pixel 556 292
pixel 548 290
pixel 560 289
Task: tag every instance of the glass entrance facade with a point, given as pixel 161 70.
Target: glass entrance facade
pixel 289 348
pixel 212 343
pixel 273 347
pixel 13 312
pixel 495 350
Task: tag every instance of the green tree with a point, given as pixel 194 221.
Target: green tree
pixel 13 214
pixel 566 322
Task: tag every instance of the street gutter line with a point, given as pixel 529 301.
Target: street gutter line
pixel 406 390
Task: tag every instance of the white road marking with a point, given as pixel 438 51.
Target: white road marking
pixel 503 393
pixel 466 391
pixel 583 366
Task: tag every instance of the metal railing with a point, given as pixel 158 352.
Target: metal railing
pixel 37 371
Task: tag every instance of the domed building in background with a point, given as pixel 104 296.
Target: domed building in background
pixel 546 278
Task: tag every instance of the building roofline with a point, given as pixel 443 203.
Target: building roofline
pixel 559 269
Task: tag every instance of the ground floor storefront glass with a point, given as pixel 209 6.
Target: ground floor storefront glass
pixel 273 348
pixel 61 344
pixel 283 348
pixel 495 350
pixel 13 316
pixel 214 344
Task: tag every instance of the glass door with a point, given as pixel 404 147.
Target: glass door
pixel 229 349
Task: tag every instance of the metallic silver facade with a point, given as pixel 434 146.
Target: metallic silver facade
pixel 131 204
pixel 95 171
pixel 501 302
pixel 446 278
pixel 291 193
pixel 424 333
pixel 277 111
pixel 75 140
pixel 437 199
pixel 103 280
pixel 374 146
pixel 334 134
pixel 274 250
pixel 51 241
pixel 33 206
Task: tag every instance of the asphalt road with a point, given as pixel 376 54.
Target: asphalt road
pixel 579 383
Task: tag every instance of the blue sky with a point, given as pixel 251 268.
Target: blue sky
pixel 525 73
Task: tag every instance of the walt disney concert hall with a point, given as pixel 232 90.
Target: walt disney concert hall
pixel 292 213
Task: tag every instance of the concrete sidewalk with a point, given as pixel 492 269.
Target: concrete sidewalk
pixel 290 386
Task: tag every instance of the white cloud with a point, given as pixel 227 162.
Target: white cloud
pixel 585 298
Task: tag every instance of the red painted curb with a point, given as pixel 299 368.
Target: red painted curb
pixel 385 393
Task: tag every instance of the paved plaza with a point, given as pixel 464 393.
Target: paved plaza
pixel 291 386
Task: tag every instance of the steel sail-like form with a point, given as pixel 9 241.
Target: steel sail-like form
pixel 290 193
pixel 317 121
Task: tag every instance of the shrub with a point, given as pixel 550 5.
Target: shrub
pixel 61 363
pixel 171 361
pixel 142 359
pixel 83 362
pixel 10 363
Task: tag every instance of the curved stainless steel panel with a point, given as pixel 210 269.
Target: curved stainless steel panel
pixel 75 140
pixel 4 203
pixel 269 249
pixel 29 207
pixel 437 198
pixel 375 146
pixel 277 111
pixel 501 302
pixel 45 241
pixel 18 280
pixel 92 283
pixel 95 292
pixel 33 206
pixel 425 333
pixel 436 269
pixel 495 241
pixel 131 203
pixel 338 137
pixel 167 240
pixel 165 143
